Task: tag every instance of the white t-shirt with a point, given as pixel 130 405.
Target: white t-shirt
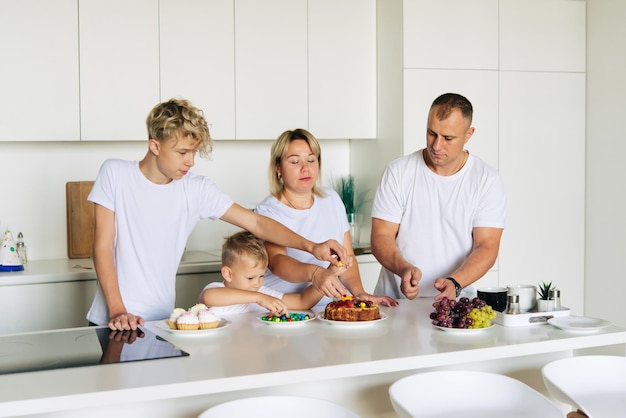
pixel 436 215
pixel 152 224
pixel 325 220
pixel 242 307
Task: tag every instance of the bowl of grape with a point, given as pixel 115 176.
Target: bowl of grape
pixel 464 315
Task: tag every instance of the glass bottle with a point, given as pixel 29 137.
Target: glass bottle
pixel 21 248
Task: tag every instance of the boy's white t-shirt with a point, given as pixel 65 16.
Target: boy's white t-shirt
pixel 152 224
pixel 325 220
pixel 242 307
pixel 436 215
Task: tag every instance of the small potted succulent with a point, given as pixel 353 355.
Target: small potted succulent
pixel 544 304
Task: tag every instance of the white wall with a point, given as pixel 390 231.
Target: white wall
pixel 32 184
pixel 605 284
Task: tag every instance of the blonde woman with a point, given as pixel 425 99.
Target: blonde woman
pixel 299 202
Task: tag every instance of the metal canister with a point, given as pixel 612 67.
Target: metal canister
pixel 512 305
pixel 555 296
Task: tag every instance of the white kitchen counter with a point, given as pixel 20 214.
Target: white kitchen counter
pixel 353 365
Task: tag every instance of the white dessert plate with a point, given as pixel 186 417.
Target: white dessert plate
pixel 351 324
pixel 286 324
pixel 163 325
pixel 464 331
pixel 578 323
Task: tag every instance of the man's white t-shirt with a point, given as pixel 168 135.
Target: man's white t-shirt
pixel 325 220
pixel 152 224
pixel 436 215
pixel 242 307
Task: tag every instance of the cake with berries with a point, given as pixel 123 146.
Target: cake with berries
pixel 352 309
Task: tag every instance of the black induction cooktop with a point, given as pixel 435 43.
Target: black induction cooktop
pixel 79 347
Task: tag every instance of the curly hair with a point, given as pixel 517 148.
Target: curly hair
pixel 241 244
pixel 178 118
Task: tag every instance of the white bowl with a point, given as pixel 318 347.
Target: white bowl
pixel 594 384
pixel 468 394
pixel 278 406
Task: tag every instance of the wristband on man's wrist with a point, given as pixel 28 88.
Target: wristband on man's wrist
pixel 457 286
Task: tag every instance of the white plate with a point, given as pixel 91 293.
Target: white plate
pixel 351 324
pixel 578 323
pixel 288 324
pixel 163 325
pixel 464 331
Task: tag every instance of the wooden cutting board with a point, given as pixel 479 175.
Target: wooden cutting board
pixel 80 219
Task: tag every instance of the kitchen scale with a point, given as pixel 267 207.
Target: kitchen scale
pixel 78 347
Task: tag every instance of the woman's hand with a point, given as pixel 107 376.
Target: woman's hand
pixel 326 282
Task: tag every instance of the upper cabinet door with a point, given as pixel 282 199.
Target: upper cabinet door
pixel 342 68
pixel 119 67
pixel 542 35
pixel 198 59
pixel 271 67
pixel 454 34
pixel 39 70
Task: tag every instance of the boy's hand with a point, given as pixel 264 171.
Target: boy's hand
pixel 272 304
pixel 331 251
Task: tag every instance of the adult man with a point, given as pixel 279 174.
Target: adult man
pixel 438 213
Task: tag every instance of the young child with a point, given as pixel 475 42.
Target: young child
pixel 244 262
pixel 145 211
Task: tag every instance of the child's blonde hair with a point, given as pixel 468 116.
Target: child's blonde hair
pixel 241 244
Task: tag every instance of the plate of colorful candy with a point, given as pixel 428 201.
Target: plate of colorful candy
pixel 291 319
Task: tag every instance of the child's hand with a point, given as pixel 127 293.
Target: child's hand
pixel 272 304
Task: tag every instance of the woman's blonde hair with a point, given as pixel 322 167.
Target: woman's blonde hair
pixel 278 152
pixel 178 118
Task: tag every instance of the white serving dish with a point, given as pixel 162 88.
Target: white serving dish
pixel 529 318
pixel 458 394
pixel 596 385
pixel 278 406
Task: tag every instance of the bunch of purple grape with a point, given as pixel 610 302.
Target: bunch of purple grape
pixel 450 313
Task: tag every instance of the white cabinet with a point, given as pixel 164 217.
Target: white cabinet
pixel 119 67
pixel 456 34
pixel 342 68
pixel 305 67
pixel 39 70
pixel 271 67
pixel 38 307
pixel 197 59
pixel 542 35
pixel 542 154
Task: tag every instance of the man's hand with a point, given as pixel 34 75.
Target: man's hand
pixel 409 284
pixel 125 321
pixel 446 287
pixel 331 251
